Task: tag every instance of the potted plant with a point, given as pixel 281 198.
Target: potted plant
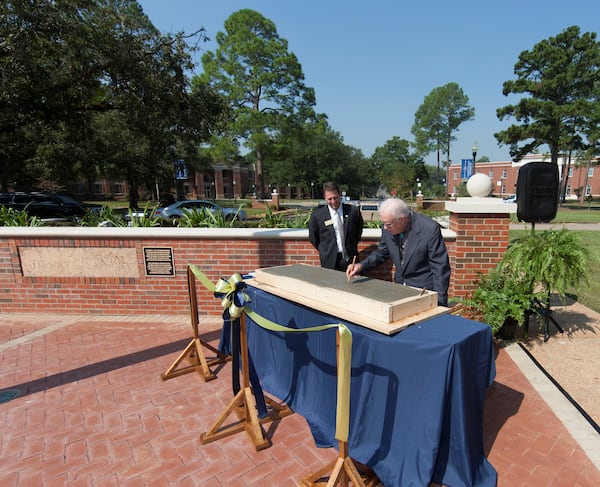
pixel 553 260
pixel 502 301
pixel 534 266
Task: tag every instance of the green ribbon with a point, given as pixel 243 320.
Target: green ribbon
pixel 229 291
pixel 206 282
pixel 342 420
pixel 229 287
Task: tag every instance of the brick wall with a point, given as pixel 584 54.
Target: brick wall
pixel 216 257
pixel 475 242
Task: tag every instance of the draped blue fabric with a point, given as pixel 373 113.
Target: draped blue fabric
pixel 416 407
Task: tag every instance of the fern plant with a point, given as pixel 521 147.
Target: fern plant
pixel 533 267
pixel 499 299
pixel 552 260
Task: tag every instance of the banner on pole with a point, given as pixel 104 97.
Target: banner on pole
pixel 466 168
pixel 181 172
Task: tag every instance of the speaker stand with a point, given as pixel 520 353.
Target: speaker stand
pixel 545 312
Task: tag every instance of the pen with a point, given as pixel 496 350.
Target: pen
pixel 353 262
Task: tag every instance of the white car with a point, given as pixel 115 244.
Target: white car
pixel 172 212
pixel 511 199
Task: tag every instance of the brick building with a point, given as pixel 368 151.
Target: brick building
pixel 222 181
pixel 581 180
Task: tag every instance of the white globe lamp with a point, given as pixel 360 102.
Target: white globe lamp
pixel 479 186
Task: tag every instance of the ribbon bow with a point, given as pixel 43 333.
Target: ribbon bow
pixel 232 295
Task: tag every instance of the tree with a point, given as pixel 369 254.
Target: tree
pixel 72 68
pixel 559 77
pixel 438 118
pixel 42 84
pixel 396 168
pixel 262 81
pixel 314 153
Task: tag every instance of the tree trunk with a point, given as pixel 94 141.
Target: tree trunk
pixel 133 194
pixel 258 175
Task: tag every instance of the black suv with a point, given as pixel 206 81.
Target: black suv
pixel 46 205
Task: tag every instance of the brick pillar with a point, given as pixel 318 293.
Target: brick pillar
pixel 275 200
pixel 419 200
pixel 481 226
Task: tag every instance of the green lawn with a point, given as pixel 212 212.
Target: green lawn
pixel 578 214
pixel 575 213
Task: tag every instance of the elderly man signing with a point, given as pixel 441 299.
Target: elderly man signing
pixel 415 244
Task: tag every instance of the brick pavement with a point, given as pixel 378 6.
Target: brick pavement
pixel 93 411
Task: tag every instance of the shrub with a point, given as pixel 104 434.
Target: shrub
pixel 9 217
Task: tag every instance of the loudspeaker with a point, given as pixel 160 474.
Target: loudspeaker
pixel 537 192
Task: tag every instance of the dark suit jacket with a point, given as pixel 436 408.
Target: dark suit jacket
pixel 425 262
pixel 322 236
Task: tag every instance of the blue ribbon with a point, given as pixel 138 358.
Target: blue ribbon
pixel 232 296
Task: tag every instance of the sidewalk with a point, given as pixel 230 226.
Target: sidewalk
pixel 91 410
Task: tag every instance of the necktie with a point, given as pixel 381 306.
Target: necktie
pixel 340 226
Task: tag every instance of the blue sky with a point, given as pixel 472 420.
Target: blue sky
pixel 373 63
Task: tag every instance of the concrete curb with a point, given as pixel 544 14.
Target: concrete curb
pixel 580 429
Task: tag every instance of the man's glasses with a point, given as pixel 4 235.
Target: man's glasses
pixel 392 223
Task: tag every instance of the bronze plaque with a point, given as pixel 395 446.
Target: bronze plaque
pixel 159 261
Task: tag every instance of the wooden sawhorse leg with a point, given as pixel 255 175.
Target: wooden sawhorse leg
pixel 343 471
pixel 198 362
pixel 244 406
pixel 194 350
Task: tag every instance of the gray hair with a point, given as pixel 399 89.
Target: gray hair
pixel 394 207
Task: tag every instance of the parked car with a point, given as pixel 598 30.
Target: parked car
pixel 511 199
pixel 48 206
pixel 175 211
pixel 141 213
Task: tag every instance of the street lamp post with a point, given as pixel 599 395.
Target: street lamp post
pixel 234 195
pixel 474 149
pixel 312 190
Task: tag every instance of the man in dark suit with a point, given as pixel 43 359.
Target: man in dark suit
pixel 335 230
pixel 415 244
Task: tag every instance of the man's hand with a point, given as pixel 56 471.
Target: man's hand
pixel 353 270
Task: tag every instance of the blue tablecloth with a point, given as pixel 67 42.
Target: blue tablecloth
pixel 416 412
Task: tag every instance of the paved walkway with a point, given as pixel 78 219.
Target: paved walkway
pixel 91 410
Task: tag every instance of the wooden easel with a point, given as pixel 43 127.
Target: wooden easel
pixel 343 471
pixel 244 406
pixel 193 352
